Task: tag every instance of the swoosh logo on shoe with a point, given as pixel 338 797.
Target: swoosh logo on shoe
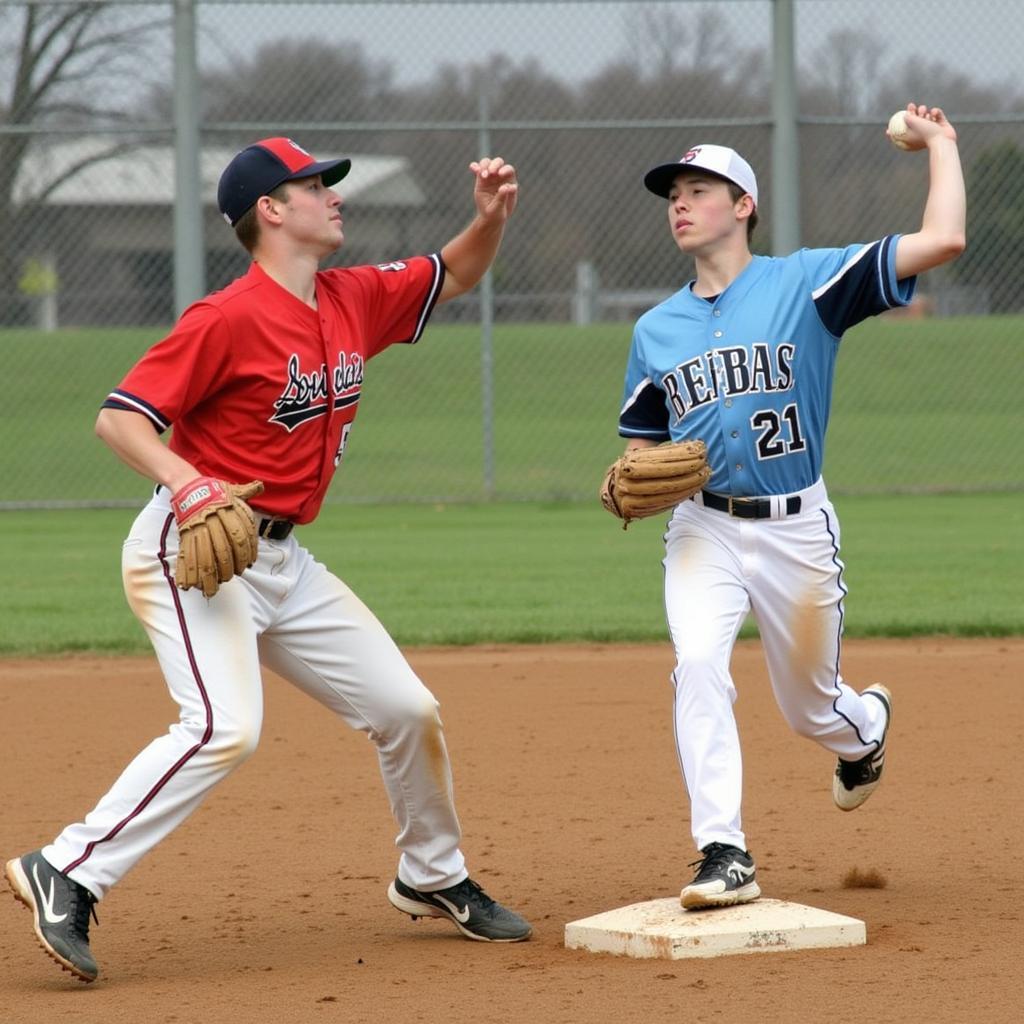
pixel 462 916
pixel 738 872
pixel 51 917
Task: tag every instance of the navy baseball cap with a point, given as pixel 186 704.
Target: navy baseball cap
pixel 720 161
pixel 264 165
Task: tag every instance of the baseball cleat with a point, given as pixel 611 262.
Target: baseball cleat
pixel 61 908
pixel 726 875
pixel 855 781
pixel 467 906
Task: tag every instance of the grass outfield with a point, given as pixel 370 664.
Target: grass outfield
pixel 519 572
pixel 919 405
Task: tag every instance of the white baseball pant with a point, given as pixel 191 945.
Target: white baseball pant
pixel 786 571
pixel 290 614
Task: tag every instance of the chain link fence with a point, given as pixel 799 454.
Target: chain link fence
pixel 514 391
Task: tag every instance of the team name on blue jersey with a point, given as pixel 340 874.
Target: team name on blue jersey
pixel 728 371
pixel 750 372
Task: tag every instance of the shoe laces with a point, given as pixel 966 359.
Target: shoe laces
pixel 472 892
pixel 714 855
pixel 81 906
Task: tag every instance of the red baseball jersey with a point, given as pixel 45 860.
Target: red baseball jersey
pixel 259 386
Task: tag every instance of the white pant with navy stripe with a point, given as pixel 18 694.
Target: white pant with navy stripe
pixel 786 571
pixel 289 613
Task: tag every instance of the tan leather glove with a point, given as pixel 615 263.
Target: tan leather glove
pixel 646 481
pixel 216 530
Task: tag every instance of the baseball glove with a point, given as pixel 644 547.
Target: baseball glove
pixel 216 530
pixel 646 481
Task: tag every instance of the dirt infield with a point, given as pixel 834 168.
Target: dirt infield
pixel 268 904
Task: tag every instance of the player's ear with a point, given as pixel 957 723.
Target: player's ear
pixel 744 206
pixel 269 209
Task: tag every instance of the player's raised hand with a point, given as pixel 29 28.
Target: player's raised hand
pixel 496 191
pixel 468 255
pixel 926 123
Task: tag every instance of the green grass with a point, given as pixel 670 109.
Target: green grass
pixel 919 406
pixel 533 572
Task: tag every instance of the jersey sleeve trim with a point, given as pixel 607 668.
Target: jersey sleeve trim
pixel 652 435
pixel 127 402
pixel 642 413
pixel 431 298
pixel 841 272
pixel 885 285
pixel 885 267
pixel 901 290
pixel 865 285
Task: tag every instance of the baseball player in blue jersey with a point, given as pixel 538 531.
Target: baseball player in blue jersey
pixel 742 358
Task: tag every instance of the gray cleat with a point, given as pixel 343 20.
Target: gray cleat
pixel 467 906
pixel 61 908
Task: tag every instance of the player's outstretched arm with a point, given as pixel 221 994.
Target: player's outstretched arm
pixel 468 255
pixel 134 440
pixel 942 236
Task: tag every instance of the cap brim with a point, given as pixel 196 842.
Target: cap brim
pixel 660 180
pixel 330 171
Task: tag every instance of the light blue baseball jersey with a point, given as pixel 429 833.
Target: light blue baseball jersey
pixel 750 373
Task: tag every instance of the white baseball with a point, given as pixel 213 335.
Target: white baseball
pixel 898 129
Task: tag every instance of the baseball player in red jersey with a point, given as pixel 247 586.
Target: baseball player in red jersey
pixel 261 382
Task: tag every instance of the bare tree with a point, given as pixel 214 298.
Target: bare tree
pixel 272 83
pixel 664 40
pixel 655 39
pixel 70 65
pixel 842 80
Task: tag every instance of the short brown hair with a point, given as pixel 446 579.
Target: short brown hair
pixel 737 194
pixel 247 228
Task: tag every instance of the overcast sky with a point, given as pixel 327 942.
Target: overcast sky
pixel 573 41
pixel 984 37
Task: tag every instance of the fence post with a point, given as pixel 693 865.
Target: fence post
pixel 785 140
pixel 189 255
pixel 584 300
pixel 486 316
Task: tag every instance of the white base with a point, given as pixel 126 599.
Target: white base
pixel 662 929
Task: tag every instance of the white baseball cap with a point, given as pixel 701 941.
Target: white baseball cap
pixel 718 160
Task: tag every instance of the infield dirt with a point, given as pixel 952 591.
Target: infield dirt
pixel 268 904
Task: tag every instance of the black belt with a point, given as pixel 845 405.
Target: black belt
pixel 748 508
pixel 275 529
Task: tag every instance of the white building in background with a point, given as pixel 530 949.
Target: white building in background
pixel 100 216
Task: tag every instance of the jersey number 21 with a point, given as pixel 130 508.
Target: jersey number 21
pixel 773 443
